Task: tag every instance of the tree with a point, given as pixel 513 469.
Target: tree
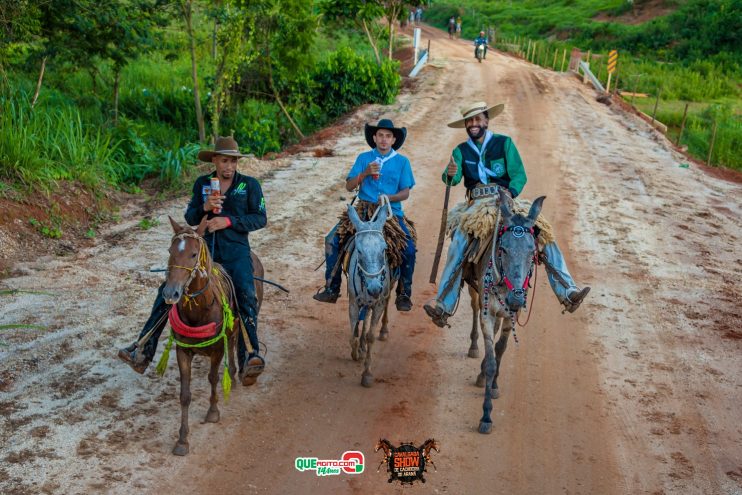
pixel 20 28
pixel 363 13
pixel 282 36
pixel 186 10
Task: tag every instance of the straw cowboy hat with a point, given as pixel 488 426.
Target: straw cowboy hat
pixel 226 146
pixel 400 133
pixel 476 108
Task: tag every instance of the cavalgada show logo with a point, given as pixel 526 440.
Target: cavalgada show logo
pixel 407 463
pixel 351 462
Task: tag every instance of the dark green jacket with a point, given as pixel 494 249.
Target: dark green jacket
pixel 244 206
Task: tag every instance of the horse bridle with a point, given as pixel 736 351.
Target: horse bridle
pixel 364 273
pixel 517 231
pixel 199 267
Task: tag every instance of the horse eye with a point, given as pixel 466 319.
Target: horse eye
pixel 194 255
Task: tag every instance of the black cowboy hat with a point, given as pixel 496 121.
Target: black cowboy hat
pixel 226 146
pixel 400 133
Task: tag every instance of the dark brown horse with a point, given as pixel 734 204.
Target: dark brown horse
pixel 202 291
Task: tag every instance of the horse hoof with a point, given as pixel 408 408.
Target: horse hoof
pixel 248 380
pixel 384 334
pixel 485 428
pixel 180 449
pixel 480 380
pixel 473 352
pixel 212 416
pixel 367 380
pixel 495 393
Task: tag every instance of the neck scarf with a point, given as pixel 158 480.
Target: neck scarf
pixel 483 171
pixel 382 160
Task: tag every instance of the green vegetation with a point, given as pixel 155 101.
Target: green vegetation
pixel 105 94
pixel 50 231
pixel 691 55
pixel 148 223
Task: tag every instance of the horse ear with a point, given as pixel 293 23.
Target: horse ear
pixel 536 208
pixel 176 226
pixel 201 229
pixel 506 205
pixel 354 218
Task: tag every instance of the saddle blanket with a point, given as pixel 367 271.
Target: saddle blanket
pixel 202 332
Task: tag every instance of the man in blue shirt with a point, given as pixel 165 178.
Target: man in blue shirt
pixel 481 40
pixel 377 172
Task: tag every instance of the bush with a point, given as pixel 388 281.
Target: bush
pixel 346 80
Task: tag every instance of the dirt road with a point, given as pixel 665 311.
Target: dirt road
pixel 637 392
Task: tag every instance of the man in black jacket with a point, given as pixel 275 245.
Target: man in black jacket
pixel 236 211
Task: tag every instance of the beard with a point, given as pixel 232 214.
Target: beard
pixel 475 136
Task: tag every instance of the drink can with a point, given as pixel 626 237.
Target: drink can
pixel 216 190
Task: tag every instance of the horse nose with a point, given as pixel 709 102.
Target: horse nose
pixel 516 299
pixel 171 294
pixel 374 290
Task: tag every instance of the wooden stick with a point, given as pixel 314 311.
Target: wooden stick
pixel 656 103
pixel 682 125
pixel 564 59
pixel 711 146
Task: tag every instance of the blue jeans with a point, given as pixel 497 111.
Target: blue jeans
pixel 447 298
pixel 332 252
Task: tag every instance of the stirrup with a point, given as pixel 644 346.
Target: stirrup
pixel 571 305
pixel 250 372
pixel 439 317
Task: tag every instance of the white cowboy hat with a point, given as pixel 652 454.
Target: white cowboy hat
pixel 476 108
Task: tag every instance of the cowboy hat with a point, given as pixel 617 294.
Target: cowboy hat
pixel 226 146
pixel 476 108
pixel 400 133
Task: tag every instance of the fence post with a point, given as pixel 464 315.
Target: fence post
pixel 636 82
pixel 556 52
pixel 564 59
pixel 711 146
pixel 656 102
pixel 429 50
pixel 682 125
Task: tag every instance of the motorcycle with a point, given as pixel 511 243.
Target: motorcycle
pixel 480 52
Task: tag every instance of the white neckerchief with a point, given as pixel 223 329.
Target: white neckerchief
pixel 383 160
pixel 483 171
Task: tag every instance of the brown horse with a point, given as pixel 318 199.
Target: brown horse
pixel 386 445
pixel 426 447
pixel 202 291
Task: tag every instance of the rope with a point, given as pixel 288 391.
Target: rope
pixel 533 298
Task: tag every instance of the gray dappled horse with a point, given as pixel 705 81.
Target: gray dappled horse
pixel 498 289
pixel 369 284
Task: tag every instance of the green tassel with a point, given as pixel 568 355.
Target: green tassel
pixel 228 320
pixel 226 379
pixel 162 364
pixel 226 384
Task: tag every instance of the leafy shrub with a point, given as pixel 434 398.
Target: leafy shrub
pixel 345 80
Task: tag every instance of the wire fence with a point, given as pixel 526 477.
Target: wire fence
pixel 711 132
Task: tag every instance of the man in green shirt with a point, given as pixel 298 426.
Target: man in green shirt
pixel 487 159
